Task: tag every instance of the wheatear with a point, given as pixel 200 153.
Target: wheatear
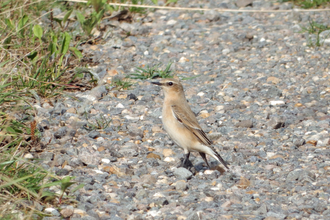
pixel 181 123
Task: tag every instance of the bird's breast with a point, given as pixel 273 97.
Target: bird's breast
pixel 177 131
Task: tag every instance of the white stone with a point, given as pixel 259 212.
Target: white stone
pixel 131 117
pixel 183 60
pixel 171 22
pixel 169 159
pixel 49 210
pixel 28 156
pixel 225 51
pixel 153 213
pixel 98 171
pixel 208 172
pixel 120 105
pixel 270 154
pixel 105 160
pixel 158 195
pixel 277 102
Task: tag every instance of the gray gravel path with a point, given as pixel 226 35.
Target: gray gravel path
pixel 259 91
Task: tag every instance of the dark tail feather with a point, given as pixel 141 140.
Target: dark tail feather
pixel 204 158
pixel 221 160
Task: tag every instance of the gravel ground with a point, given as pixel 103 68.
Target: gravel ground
pixel 259 91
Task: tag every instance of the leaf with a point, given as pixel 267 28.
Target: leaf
pixel 53 45
pixel 6 42
pixel 76 52
pixel 59 21
pixel 4 63
pixel 65 185
pixel 80 18
pixel 97 4
pixel 55 183
pixel 10 130
pixel 9 23
pixel 65 43
pixel 99 15
pixel 81 185
pixel 32 55
pixel 67 15
pixel 155 2
pixel 37 30
pixel 47 194
pixel 21 24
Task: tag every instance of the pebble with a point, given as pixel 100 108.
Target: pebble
pixel 182 173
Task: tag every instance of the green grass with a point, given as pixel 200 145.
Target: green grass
pixel 151 72
pixel 39 59
pixel 35 62
pixel 121 84
pixel 100 122
pixel 306 4
pixel 316 29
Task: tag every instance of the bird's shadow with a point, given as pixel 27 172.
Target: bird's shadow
pixel 201 166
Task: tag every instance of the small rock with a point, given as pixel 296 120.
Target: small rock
pixel 273 80
pixel 277 102
pixel 244 3
pixel 94 134
pixel 168 152
pixel 181 185
pixel 28 156
pixel 182 173
pixel 61 132
pixel 276 122
pixel 67 212
pixel 171 22
pixel 212 15
pixel 245 124
pixel 52 211
pixel 153 155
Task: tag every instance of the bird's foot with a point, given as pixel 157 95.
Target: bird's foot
pixel 185 164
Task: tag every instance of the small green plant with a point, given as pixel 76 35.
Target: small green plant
pixel 100 123
pixel 21 180
pixel 315 29
pixel 137 9
pixel 89 22
pixel 123 84
pixel 152 72
pixel 65 183
pixel 306 4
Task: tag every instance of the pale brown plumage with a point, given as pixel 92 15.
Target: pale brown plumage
pixel 181 123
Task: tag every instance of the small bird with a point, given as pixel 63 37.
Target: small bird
pixel 181 123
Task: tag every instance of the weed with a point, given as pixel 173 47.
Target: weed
pixel 89 22
pixel 315 29
pixel 100 123
pixel 135 9
pixel 306 4
pixel 152 72
pixel 121 84
pixel 33 61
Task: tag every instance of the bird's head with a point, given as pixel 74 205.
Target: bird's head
pixel 171 86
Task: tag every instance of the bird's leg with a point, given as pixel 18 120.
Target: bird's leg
pixel 204 158
pixel 184 161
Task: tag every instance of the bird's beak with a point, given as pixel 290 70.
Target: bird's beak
pixel 156 83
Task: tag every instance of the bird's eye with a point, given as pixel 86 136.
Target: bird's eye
pixel 170 83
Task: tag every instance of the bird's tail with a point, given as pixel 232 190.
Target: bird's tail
pixel 217 156
pixel 220 159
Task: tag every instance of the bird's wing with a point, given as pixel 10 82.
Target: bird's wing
pixel 188 119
